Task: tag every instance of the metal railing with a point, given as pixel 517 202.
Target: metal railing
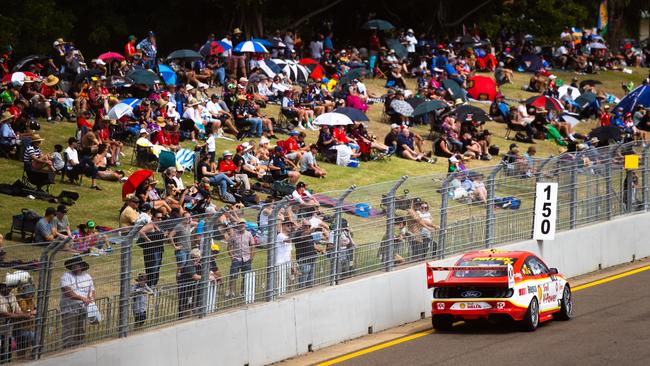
pixel 357 231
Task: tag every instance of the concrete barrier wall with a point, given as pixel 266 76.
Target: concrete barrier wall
pixel 271 332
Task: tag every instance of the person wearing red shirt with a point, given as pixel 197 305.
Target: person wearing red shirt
pixel 341 137
pixel 164 138
pixel 605 117
pixel 129 48
pixel 230 169
pixel 292 146
pixel 114 147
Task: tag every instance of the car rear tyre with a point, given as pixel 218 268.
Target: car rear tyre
pixel 566 306
pixel 531 320
pixel 442 322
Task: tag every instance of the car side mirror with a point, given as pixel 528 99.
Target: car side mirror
pixel 553 271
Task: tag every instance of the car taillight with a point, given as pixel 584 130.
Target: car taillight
pixel 509 293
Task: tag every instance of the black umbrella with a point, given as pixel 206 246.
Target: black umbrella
pixel 353 113
pixel 606 134
pixel 86 75
pixel 589 82
pixel 399 48
pixel 356 73
pixel 145 77
pixel 585 99
pixel 119 82
pixel 428 107
pixel 32 59
pixel 378 24
pixel 188 55
pixel 469 112
pixel 415 101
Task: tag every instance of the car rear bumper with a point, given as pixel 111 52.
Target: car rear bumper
pixel 462 309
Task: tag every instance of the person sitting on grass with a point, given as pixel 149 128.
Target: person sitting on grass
pixel 303 197
pixel 280 167
pixel 308 164
pixel 101 162
pixel 406 147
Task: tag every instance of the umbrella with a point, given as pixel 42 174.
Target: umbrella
pixel 533 63
pixel 352 113
pixel 214 48
pixel 316 70
pixel 454 90
pixel 568 90
pixel 356 73
pixel 279 62
pixel 276 43
pixel 402 107
pixel 110 56
pixel 482 88
pixel 378 24
pixel 466 112
pixel 250 46
pixel 19 77
pixel 296 72
pixel 332 119
pixel 596 46
pixel 86 75
pixel 414 101
pixel 185 54
pixel 542 101
pixel 168 75
pixel 589 82
pixel 640 95
pixel 22 63
pixel 605 134
pixel 269 67
pixel 135 180
pixel 123 108
pixel 263 42
pixel 399 48
pixel 585 99
pixel 428 107
pixel 145 77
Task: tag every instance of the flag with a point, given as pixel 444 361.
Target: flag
pixel 602 17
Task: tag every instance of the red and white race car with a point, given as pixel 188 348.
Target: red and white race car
pixel 492 284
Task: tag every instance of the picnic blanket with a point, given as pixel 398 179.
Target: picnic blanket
pixel 349 208
pixel 185 158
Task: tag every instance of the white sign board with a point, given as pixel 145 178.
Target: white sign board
pixel 545 211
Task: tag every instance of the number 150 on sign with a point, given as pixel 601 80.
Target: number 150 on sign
pixel 545 211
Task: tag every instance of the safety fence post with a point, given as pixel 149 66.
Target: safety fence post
pixel 444 204
pixel 644 176
pixel 573 191
pixel 390 223
pixel 125 280
pixel 206 256
pixel 43 293
pixel 338 215
pixel 489 208
pixel 270 242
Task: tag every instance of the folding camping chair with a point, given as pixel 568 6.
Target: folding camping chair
pixel 166 159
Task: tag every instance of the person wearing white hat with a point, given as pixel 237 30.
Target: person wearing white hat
pixel 411 41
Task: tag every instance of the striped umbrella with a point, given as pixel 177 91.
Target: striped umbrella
pixel 542 101
pixel 250 46
pixel 269 67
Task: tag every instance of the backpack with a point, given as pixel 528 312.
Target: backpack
pixel 521 137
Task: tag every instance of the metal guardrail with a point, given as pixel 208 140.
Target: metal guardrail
pixel 355 232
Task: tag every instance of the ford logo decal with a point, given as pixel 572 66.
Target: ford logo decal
pixel 471 293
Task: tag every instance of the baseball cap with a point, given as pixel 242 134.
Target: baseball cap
pixel 394 125
pixel 513 145
pixel 62 209
pixel 90 224
pixel 50 211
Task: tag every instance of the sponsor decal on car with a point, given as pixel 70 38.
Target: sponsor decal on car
pixel 504 260
pixel 470 306
pixel 500 305
pixel 471 293
pixel 548 298
pixel 532 289
pixel 440 306
pixel 523 291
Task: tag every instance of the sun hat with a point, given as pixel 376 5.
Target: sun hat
pixel 51 80
pixel 6 115
pixel 189 87
pixel 241 97
pixel 74 261
pixel 236 31
pixel 36 137
pixel 226 153
pixel 192 102
pixel 160 121
pixel 142 130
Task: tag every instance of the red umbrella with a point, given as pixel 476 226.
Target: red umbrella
pixel 316 70
pixel 135 180
pixel 482 88
pixel 542 101
pixel 110 56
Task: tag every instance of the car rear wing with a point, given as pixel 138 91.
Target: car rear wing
pixel 508 268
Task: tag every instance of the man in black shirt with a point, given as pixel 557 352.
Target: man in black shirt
pixel 391 139
pixel 189 277
pixel 306 253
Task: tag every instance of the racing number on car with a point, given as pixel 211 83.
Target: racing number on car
pixel 545 211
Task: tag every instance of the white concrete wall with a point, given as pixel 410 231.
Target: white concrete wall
pixel 271 332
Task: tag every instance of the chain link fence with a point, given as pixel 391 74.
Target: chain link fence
pixel 166 271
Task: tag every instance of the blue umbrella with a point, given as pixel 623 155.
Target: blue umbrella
pixel 263 42
pixel 640 95
pixel 168 75
pixel 250 46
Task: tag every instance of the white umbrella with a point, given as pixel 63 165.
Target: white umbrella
pixel 568 90
pixel 402 107
pixel 120 110
pixel 332 119
pixel 266 69
pixel 596 46
pixel 570 119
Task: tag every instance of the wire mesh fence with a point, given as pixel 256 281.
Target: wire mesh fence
pixel 163 271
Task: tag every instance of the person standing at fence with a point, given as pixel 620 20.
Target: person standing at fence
pixel 190 276
pixel 241 252
pixel 24 327
pixel 9 312
pixel 283 255
pixel 181 237
pixel 306 253
pixel 139 292
pixel 77 291
pixel 153 248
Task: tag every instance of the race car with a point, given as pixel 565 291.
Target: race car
pixel 494 284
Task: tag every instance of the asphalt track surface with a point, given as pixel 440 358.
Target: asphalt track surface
pixel 610 326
